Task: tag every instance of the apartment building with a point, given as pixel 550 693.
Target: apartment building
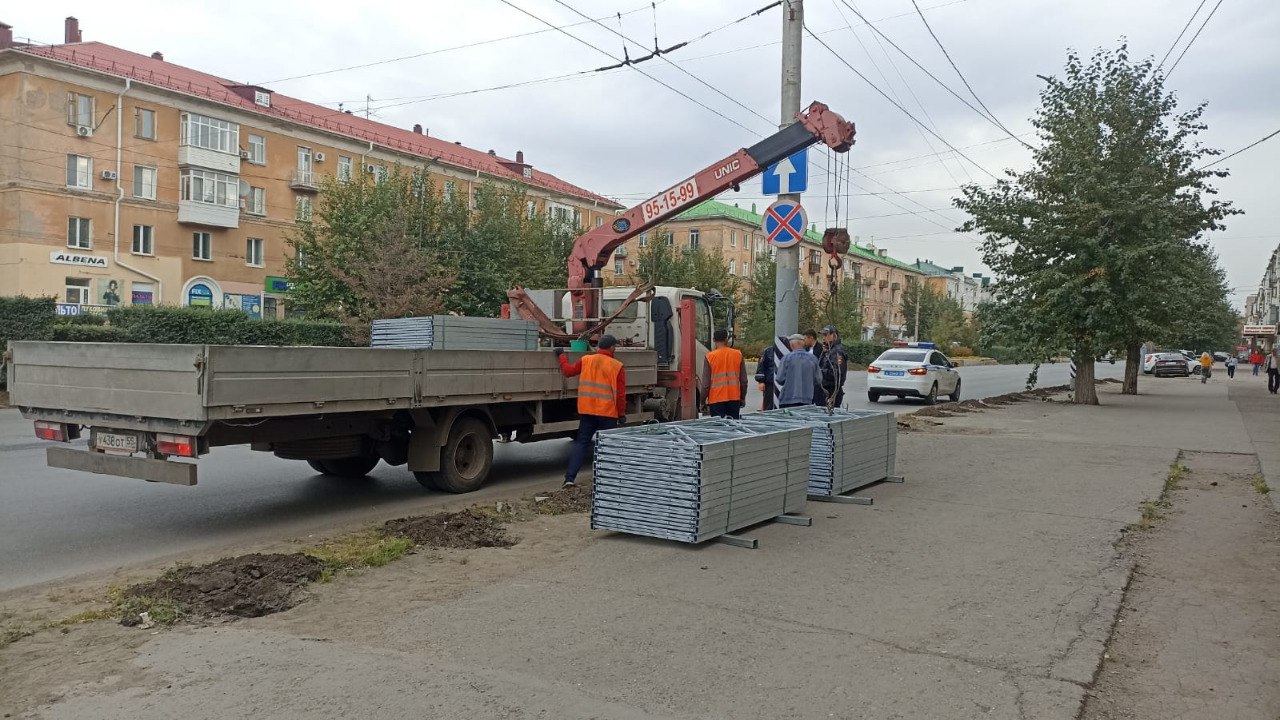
pixel 969 291
pixel 125 178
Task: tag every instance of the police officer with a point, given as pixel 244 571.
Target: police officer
pixel 835 363
pixel 724 378
pixel 602 399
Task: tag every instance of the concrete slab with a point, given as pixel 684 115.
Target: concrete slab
pixel 1260 412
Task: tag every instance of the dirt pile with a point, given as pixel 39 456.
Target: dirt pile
pixel 468 528
pixel 244 586
pixel 575 499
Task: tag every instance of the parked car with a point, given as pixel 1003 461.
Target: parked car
pixel 1171 364
pixel 1220 357
pixel 913 370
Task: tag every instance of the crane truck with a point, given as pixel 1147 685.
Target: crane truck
pixel 151 411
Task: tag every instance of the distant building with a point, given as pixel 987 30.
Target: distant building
pixel 129 179
pixel 970 291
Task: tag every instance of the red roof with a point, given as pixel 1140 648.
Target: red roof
pixel 150 71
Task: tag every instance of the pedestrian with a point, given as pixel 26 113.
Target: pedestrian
pixel 724 378
pixel 811 343
pixel 798 375
pixel 766 370
pixel 1255 359
pixel 602 399
pixel 1272 366
pixel 835 365
pixel 1232 361
pixel 1206 367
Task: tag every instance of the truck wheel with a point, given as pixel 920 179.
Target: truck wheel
pixel 428 479
pixel 349 467
pixel 466 458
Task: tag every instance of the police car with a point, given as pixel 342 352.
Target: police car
pixel 913 369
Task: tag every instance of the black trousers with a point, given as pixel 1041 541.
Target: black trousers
pixel 588 426
pixel 1273 380
pixel 727 409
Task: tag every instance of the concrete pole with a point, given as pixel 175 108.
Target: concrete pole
pixel 787 298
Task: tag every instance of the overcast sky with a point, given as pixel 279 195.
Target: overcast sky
pixel 625 135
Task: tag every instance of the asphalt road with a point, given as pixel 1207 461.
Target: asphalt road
pixel 59 523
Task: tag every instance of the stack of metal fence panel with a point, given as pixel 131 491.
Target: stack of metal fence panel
pixel 850 448
pixel 693 481
pixel 453 332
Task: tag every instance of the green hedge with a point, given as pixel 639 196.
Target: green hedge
pixel 87 333
pixel 1004 355
pixel 862 352
pixel 142 324
pixel 25 318
pixel 84 319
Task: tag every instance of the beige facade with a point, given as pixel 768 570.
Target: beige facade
pixel 114 191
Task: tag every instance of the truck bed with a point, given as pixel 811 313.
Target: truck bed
pixel 198 384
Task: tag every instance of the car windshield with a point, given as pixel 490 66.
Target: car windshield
pixel 902 356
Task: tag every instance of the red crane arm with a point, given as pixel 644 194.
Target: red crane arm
pixel 591 250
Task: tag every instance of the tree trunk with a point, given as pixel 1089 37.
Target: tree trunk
pixel 1086 391
pixel 1132 368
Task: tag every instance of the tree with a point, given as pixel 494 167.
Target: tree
pixel 661 264
pixel 758 309
pixel 1088 241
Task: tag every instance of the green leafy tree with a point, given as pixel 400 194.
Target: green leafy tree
pixel 757 310
pixel 661 264
pixel 1086 241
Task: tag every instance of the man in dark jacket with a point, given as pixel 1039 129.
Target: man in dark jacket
pixel 767 369
pixel 835 365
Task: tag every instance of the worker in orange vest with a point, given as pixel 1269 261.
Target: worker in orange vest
pixel 724 378
pixel 602 399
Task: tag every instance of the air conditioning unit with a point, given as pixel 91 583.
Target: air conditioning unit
pixel 244 204
pixel 319 157
pixel 109 175
pixel 244 154
pixel 84 131
pixel 371 168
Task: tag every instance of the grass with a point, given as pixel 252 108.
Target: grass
pixel 1177 471
pixel 362 549
pixel 1260 484
pixel 1153 510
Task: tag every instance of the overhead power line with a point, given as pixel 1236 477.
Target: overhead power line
pixel 1192 41
pixel 959 74
pixel 1251 145
pixel 1178 39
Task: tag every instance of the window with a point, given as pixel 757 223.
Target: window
pixel 746 269
pixel 703 316
pixel 559 213
pixel 670 238
pixel 144 123
pixel 344 168
pixel 302 209
pixel 201 246
pixel 644 239
pixel 257 150
pixel 144 182
pixel 262 97
pixel 694 239
pixel 733 267
pixel 143 240
pixel 304 163
pixel 253 252
pixel 79 233
pixel 617 267
pixel 577 218
pixel 257 201
pixel 206 186
pixel 77 291
pixel 80 109
pixel 733 238
pixel 79 172
pixel 210 133
pixel 599 221
pixel 531 209
pixel 380 173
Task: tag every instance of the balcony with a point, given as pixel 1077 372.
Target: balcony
pixel 868 281
pixel 199 213
pixel 192 156
pixel 620 252
pixel 304 180
pixel 884 284
pixel 895 286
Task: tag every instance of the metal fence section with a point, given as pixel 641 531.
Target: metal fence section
pixel 850 448
pixel 697 480
pixel 454 332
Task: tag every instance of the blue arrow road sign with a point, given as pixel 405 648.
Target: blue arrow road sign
pixel 788 175
pixel 784 223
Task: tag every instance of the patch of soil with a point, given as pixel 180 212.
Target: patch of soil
pixel 576 499
pixel 468 528
pixel 1198 632
pixel 244 586
pixel 935 411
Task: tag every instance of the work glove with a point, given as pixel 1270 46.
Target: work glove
pixel 558 351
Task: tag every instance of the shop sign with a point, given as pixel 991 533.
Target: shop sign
pixel 200 295
pixel 62 257
pixel 276 284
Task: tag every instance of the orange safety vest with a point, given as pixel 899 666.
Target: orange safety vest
pixel 597 386
pixel 726 378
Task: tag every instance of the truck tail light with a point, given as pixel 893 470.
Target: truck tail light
pixel 873 369
pixel 918 371
pixel 57 432
pixel 181 445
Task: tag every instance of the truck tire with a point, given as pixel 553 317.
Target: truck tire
pixel 428 479
pixel 349 467
pixel 466 458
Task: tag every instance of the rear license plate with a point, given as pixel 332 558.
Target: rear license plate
pixel 894 373
pixel 116 442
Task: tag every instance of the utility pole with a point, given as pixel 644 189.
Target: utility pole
pixel 786 317
pixel 917 325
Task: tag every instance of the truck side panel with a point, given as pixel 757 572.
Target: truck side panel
pixel 138 380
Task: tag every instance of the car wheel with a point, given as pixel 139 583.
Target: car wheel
pixel 932 397
pixel 466 458
pixel 873 396
pixel 955 395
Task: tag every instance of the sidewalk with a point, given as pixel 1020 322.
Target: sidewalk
pixel 1260 411
pixel 984 587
